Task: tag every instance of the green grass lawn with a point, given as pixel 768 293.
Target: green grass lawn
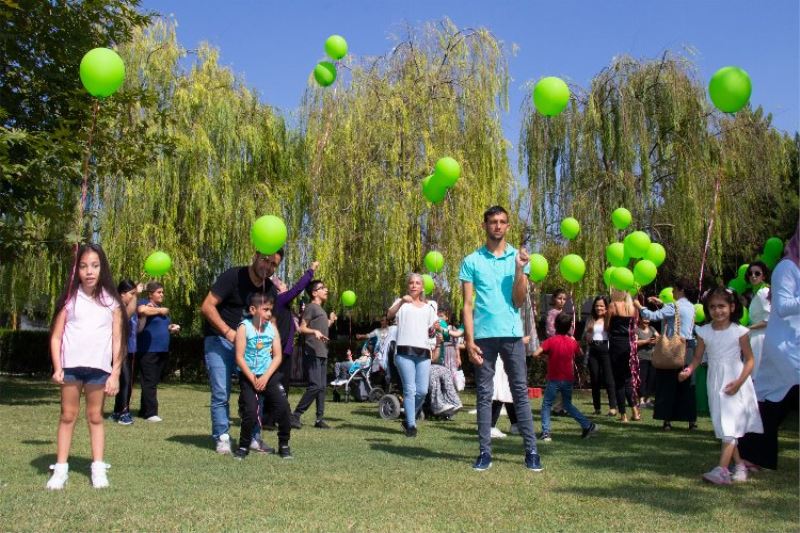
pixel 364 475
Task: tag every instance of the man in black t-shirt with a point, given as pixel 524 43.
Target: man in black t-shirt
pixel 223 309
pixel 314 326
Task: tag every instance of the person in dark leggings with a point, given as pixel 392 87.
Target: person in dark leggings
pixel 314 328
pixel 600 370
pixel 622 316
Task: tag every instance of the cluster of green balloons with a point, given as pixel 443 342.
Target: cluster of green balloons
pixel 102 72
pixel 740 283
pixel 268 234
pixel 325 71
pixel 157 264
pixel 730 89
pixel 445 175
pixel 348 298
pixel 550 96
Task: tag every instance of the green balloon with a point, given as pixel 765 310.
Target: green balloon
pixel 656 253
pixel 745 320
pixel 742 272
pixel 432 190
pixel 699 314
pixel 622 279
pixel 539 267
pixel 268 234
pixel 607 275
pixel 738 285
pixel 771 262
pixel 572 268
pixel 427 284
pixel 636 244
pixel 325 73
pixel 434 261
pixel 730 89
pixel 615 254
pixel 102 72
pixel 773 248
pixel 621 218
pixel 157 264
pixel 644 272
pixel 550 96
pixel 666 295
pixel 348 298
pixel 336 47
pixel 570 228
pixel 447 171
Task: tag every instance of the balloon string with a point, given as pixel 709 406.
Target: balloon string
pixel 708 233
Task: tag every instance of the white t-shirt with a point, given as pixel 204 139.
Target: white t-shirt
pixel 87 331
pixel 413 323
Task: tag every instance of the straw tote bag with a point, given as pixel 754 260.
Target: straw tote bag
pixel 670 352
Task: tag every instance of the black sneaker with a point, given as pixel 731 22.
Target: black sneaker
pixel 321 424
pixel 284 452
pixel 589 431
pixel 294 420
pixel 411 431
pixel 240 453
pixel 483 462
pixel 533 462
pixel 269 426
pixel 545 436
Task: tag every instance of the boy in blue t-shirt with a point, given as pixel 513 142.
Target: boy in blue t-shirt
pixel 258 355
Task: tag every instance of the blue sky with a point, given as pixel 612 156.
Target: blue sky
pixel 274 45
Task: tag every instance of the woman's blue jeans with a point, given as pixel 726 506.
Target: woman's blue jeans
pixel 415 374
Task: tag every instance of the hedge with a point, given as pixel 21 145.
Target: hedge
pixel 28 353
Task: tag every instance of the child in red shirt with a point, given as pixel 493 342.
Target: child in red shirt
pixel 561 350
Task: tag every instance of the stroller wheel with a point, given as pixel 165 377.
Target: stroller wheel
pixel 375 394
pixel 389 407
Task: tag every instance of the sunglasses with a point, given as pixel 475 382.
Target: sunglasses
pixel 755 273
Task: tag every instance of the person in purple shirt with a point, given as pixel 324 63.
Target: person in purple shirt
pixel 286 324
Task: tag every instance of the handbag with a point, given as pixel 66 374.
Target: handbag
pixel 670 352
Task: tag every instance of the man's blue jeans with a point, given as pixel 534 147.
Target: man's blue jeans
pixel 220 363
pixel 565 388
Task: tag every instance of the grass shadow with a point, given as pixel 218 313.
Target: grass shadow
pixel 415 452
pixel 200 441
pixel 76 464
pixel 37 442
pixel 28 392
pixel 370 429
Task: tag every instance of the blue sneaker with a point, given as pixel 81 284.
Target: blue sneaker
pixel 125 419
pixel 532 462
pixel 483 462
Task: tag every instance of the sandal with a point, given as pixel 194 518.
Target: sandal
pixel 623 418
pixel 612 412
pixel 637 416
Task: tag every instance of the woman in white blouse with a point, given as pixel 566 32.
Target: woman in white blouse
pixel 600 371
pixel 758 277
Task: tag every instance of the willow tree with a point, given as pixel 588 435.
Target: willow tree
pixel 373 137
pixel 644 136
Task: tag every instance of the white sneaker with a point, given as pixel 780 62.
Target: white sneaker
pixel 514 430
pixel 739 473
pixel 154 418
pixel 497 434
pixel 224 444
pixel 59 477
pixel 99 476
pixel 473 411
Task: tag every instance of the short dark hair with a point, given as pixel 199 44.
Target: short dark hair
pixel 281 253
pixel 601 298
pixel 492 211
pixel 563 323
pixel 555 295
pixel 153 286
pixel 260 298
pixel 762 266
pixel 314 285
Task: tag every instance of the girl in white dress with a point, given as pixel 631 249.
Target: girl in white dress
pixel 731 395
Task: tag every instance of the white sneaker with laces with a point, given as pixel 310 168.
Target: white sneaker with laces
pixel 59 477
pixel 739 473
pixel 99 474
pixel 718 476
pixel 154 418
pixel 224 444
pixel 497 434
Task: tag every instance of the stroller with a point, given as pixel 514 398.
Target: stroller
pixel 358 384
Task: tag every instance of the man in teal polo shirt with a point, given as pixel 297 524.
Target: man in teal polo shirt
pixel 496 275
